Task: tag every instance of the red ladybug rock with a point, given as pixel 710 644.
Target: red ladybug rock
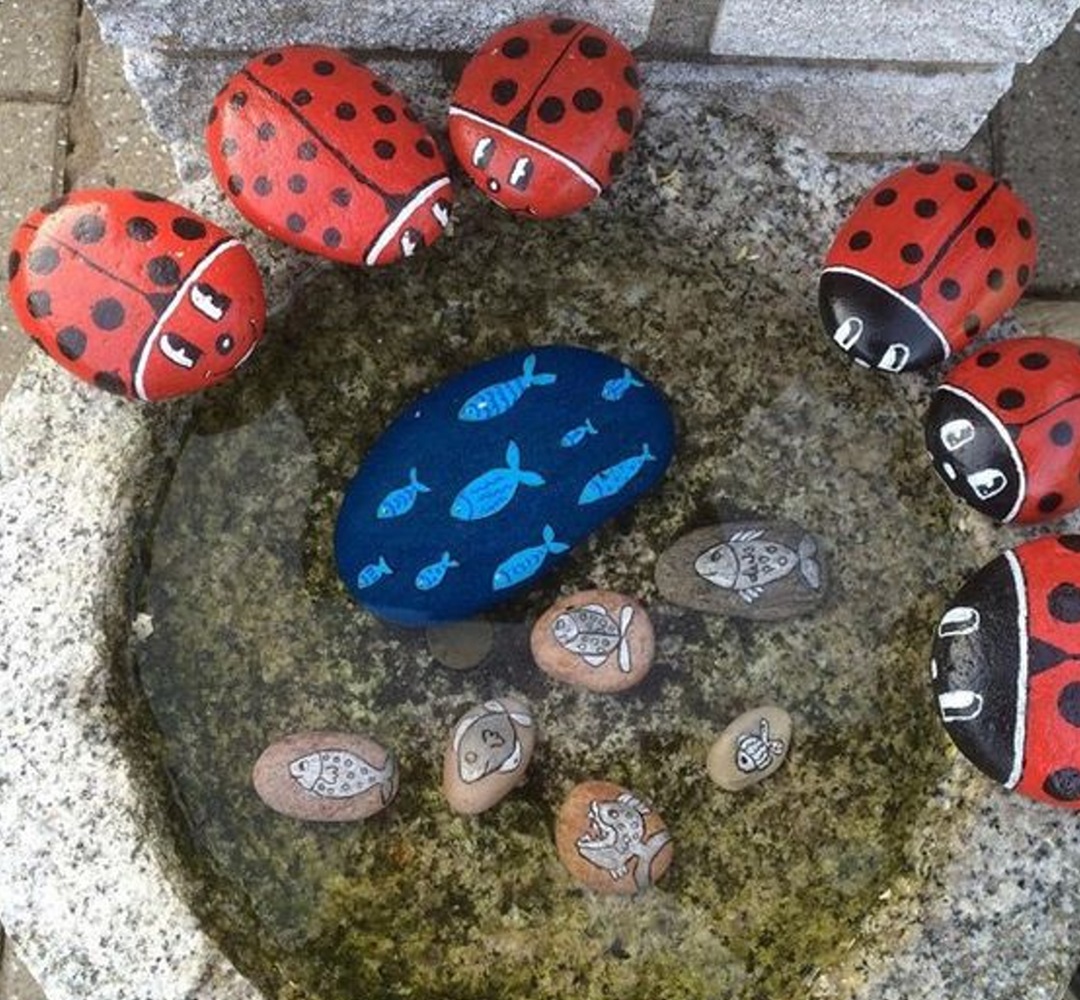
pixel 134 293
pixel 544 114
pixel 933 255
pixel 1006 669
pixel 1003 430
pixel 322 154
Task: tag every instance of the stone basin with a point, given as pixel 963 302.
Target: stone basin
pixel 170 607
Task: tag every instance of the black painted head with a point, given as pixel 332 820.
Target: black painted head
pixel 876 325
pixel 973 453
pixel 978 649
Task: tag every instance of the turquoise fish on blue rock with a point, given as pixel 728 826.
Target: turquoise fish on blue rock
pixel 372 573
pixel 431 576
pixel 526 563
pixel 615 388
pixel 573 437
pixel 607 482
pixel 489 493
pixel 496 399
pixel 401 500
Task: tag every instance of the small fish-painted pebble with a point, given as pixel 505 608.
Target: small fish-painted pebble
pixel 765 570
pixel 461 645
pixel 611 840
pixel 596 639
pixel 488 753
pixel 483 485
pixel 326 776
pixel 544 115
pixel 321 153
pixel 135 294
pixel 751 748
pixel 1005 668
pixel 1003 429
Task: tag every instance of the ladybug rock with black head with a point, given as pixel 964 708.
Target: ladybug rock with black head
pixel 544 114
pixel 932 256
pixel 1003 430
pixel 135 293
pixel 316 150
pixel 1006 669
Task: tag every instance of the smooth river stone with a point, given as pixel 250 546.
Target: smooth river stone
pixel 750 748
pixel 487 754
pixel 326 776
pixel 595 639
pixel 461 645
pixel 611 840
pixel 483 485
pixel 765 570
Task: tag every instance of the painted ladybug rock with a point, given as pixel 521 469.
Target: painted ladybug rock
pixel 134 293
pixel 1006 669
pixel 544 114
pixel 933 255
pixel 322 154
pixel 1004 429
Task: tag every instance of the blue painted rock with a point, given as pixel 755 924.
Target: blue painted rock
pixel 484 484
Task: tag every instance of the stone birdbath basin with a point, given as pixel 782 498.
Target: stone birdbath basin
pixel 169 607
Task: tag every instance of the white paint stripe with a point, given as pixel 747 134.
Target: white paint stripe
pixel 1022 669
pixel 399 220
pixel 174 304
pixel 576 168
pixel 998 426
pixel 899 298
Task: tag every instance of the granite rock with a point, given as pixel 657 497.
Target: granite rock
pixel 595 639
pixel 488 754
pixel 752 747
pixel 766 570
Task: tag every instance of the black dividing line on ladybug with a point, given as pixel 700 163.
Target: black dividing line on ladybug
pixel 964 223
pixel 520 121
pixel 1016 429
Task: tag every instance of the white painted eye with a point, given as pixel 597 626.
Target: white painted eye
pixel 987 483
pixel 441 211
pixel 956 433
pixel 959 621
pixel 210 303
pixel 178 350
pixel 895 358
pixel 521 174
pixel 960 706
pixel 848 333
pixel 483 151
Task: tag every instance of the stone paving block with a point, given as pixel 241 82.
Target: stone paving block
pixel 37 49
pixel 1038 125
pixel 16 982
pixel 849 109
pixel 439 25
pixel 947 31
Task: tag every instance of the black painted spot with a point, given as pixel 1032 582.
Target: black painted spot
pixel 235 184
pixel 926 208
pixel 1034 361
pixel 592 47
pixel 345 111
pixel 966 182
pixel 985 237
pixel 262 186
pixel 562 26
pixel 911 253
pixel 1023 275
pixel 616 163
pixel 302 97
pixel 141 229
pixel 107 314
pixel 1063 603
pixel 297 183
pixel 341 196
pixel 238 100
pixel 551 110
pixel 381 87
pixel 1011 399
pixel 504 91
pixel 1063 784
pixel 332 237
pixel 307 150
pixel 995 279
pixel 987 359
pixel 409 114
pixel 43 261
pixel 860 240
pixel 632 77
pixel 516 47
pixel 212 116
pixel 1061 433
pixel 295 222
pixel 885 197
pixel 386 114
pixel 39 304
pixel 384 149
pixel 1070 542
pixel 426 148
pixel 273 59
pixel 111 382
pixel 163 271
pixel 14 261
pixel 88 229
pixel 225 343
pixel 1024 228
pixel 188 228
pixel 323 67
pixel 625 117
pixel 587 100
pixel 1050 502
pixel 972 324
pixel 266 131
pixel 927 168
pixel 949 289
pixel 229 146
pixel 71 342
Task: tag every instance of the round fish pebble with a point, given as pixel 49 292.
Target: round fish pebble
pixel 751 748
pixel 611 840
pixel 326 776
pixel 461 645
pixel 596 639
pixel 487 755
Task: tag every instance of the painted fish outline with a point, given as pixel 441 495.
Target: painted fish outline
pixel 573 437
pixel 621 637
pixel 318 773
pixel 399 502
pixel 756 751
pixel 431 575
pixel 495 399
pixel 614 479
pixel 526 563
pixel 734 564
pixel 496 761
pixel 615 388
pixel 493 490
pixel 372 573
pixel 616 837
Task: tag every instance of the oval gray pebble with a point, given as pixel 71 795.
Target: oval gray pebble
pixel 751 748
pixel 461 645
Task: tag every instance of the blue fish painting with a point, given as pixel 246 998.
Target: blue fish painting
pixel 489 493
pixel 527 562
pixel 607 482
pixel 401 500
pixel 431 576
pixel 496 399
pixel 615 388
pixel 573 437
pixel 372 573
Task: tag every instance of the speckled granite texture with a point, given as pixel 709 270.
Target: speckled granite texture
pixel 974 894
